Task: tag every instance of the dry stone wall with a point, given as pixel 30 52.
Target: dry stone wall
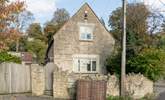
pixel 64 85
pixel 137 86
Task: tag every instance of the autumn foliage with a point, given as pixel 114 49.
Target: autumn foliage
pixel 8 13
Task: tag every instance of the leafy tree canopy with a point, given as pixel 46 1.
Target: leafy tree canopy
pixel 144 49
pixel 8 32
pixel 35 31
pixel 59 18
pixel 38 48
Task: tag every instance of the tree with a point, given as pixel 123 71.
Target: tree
pixel 137 14
pixel 8 32
pixel 163 27
pixel 23 20
pixel 59 18
pixel 149 62
pixel 38 43
pixel 144 48
pixel 35 31
pixel 22 44
pixel 155 21
pixel 137 28
pixel 50 29
pixel 102 21
pixel 38 48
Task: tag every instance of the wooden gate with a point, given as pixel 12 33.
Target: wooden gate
pixel 91 90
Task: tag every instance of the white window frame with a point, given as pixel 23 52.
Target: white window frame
pixel 77 66
pixel 85 28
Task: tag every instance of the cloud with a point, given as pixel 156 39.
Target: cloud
pixel 155 4
pixel 42 9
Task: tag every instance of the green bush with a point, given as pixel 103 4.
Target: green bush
pixel 5 57
pixel 150 62
pixel 38 48
pixel 119 98
pixel 113 64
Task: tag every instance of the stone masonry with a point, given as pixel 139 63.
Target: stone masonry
pixel 67 43
pixel 137 86
pixel 64 85
pixel 38 80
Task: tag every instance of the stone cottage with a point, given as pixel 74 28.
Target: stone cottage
pixel 82 44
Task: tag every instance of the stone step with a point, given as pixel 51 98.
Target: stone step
pixel 49 93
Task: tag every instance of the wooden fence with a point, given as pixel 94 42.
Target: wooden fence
pixel 91 90
pixel 14 78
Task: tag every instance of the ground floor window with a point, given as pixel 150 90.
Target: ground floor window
pixel 86 63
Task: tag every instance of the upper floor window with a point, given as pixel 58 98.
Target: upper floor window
pixel 86 32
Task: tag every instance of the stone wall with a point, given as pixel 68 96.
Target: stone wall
pixel 64 84
pixel 38 79
pixel 137 85
pixel 60 85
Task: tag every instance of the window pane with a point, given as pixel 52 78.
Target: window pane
pixel 93 65
pixel 83 36
pixel 89 65
pixel 78 65
pixel 88 36
pixel 85 33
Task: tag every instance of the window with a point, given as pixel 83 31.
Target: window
pixel 85 36
pixel 85 64
pixel 86 33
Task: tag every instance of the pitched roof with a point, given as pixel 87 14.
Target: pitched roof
pixel 82 7
pixel 86 4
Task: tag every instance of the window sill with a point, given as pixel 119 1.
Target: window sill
pixel 86 72
pixel 86 40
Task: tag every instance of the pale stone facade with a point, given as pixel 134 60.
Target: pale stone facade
pixel 38 79
pixel 67 40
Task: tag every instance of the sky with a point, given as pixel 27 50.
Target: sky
pixel 43 9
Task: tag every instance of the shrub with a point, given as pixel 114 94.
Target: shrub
pixel 5 57
pixel 113 64
pixel 119 98
pixel 150 62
